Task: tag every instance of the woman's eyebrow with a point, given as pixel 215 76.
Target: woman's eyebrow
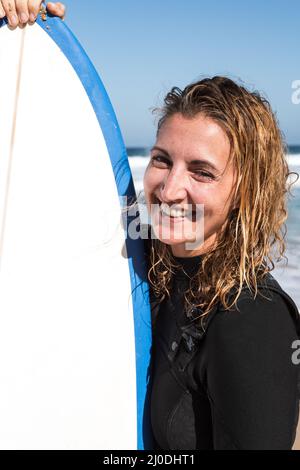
pixel 160 150
pixel 195 162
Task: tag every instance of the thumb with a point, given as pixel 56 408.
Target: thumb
pixel 56 9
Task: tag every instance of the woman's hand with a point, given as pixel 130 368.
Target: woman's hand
pixel 21 12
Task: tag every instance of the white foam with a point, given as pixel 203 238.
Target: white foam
pixel 138 162
pixel 293 160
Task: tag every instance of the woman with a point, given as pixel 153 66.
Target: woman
pixel 224 375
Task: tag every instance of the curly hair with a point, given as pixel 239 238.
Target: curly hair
pixel 254 234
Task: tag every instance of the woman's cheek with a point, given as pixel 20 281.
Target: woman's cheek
pixel 147 188
pixel 145 180
pixel 150 180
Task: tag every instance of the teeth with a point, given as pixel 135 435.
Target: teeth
pixel 171 212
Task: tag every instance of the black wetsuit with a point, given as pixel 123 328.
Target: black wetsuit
pixel 232 386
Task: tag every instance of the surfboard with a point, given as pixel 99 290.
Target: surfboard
pixel 75 325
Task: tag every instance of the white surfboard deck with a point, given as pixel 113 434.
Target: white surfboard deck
pixel 73 351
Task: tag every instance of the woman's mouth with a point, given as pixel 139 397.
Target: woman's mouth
pixel 173 213
pixel 176 213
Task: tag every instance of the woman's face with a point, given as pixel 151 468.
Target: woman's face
pixel 188 183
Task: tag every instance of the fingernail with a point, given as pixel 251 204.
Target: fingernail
pixel 32 17
pixel 13 19
pixel 23 18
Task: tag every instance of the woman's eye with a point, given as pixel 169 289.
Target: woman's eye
pixel 204 175
pixel 160 161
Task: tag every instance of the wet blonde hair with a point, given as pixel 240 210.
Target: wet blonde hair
pixel 254 234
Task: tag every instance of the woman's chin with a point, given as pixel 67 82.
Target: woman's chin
pixel 173 237
pixel 171 241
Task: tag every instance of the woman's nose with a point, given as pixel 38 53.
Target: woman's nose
pixel 173 188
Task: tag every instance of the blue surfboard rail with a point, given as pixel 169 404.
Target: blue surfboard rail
pixel 86 72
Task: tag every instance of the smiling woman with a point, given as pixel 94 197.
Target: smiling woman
pixel 223 376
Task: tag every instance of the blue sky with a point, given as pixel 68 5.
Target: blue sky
pixel 143 48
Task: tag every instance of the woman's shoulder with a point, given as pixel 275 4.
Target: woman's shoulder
pixel 255 342
pixel 269 313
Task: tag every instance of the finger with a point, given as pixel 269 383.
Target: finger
pixel 2 11
pixel 33 9
pixel 57 9
pixel 22 10
pixel 10 12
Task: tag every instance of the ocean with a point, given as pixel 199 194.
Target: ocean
pixel 287 275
